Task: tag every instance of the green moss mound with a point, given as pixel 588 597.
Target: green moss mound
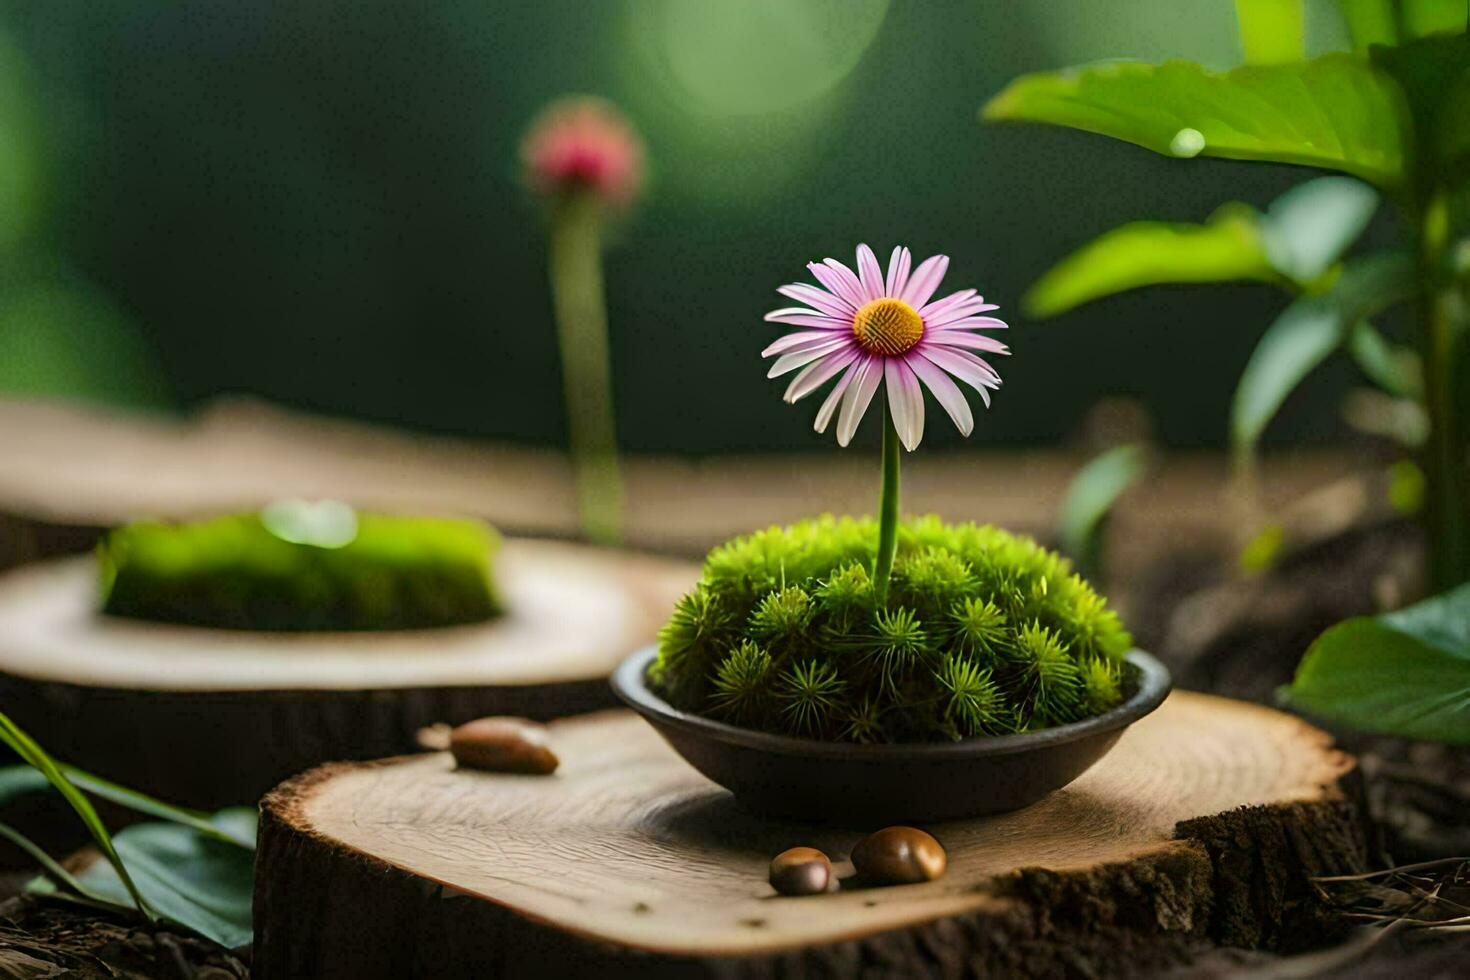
pixel 237 573
pixel 983 633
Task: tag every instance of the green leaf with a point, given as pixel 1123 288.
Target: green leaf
pixel 17 781
pixel 1271 31
pixel 1424 17
pixel 1336 111
pixel 204 823
pixel 25 747
pixel 1434 75
pixel 1148 253
pixel 1370 22
pixel 53 871
pixel 1404 673
pixel 191 879
pixel 1393 367
pixel 1307 229
pixel 1092 494
pixel 1307 332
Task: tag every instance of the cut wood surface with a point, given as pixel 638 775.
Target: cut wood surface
pixel 212 717
pixel 1201 825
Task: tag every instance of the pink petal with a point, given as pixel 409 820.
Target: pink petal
pixel 975 322
pixel 818 373
pixel 802 317
pixel 898 271
pixel 959 311
pixel 859 395
pixel 925 280
pixel 870 273
pixel 939 307
pixel 801 358
pixel 905 401
pixel 852 289
pixel 946 392
pixel 955 362
pixel 960 338
pixel 836 283
pixel 824 415
pixel 802 340
pixel 819 299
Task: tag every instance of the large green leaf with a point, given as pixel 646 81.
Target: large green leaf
pixel 1420 18
pixel 1147 253
pixel 1336 111
pixel 1434 75
pixel 1370 22
pixel 1307 229
pixel 1271 31
pixel 1306 333
pixel 190 878
pixel 1404 673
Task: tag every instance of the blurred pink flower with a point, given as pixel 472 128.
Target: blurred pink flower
pixel 584 142
pixel 873 329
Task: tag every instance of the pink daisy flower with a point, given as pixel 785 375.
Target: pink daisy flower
pixel 584 142
pixel 872 330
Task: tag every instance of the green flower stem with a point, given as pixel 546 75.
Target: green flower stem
pixel 887 510
pixel 1442 346
pixel 581 327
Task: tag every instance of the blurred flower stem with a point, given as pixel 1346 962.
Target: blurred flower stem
pixel 581 327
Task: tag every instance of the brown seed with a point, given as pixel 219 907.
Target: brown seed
pixel 801 871
pixel 899 856
pixel 503 745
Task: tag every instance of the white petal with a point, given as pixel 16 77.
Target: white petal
pixel 802 317
pixel 973 322
pixel 958 311
pixel 932 312
pixel 925 280
pixel 818 373
pixel 859 395
pixel 824 415
pixel 851 289
pixel 869 272
pixel 802 339
pixel 961 338
pixel 834 283
pixel 946 392
pixel 898 271
pixel 965 366
pixel 905 401
pixel 801 358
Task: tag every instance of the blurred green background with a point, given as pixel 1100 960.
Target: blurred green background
pixel 318 202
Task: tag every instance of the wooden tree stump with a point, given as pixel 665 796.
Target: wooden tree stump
pixel 217 717
pixel 1201 826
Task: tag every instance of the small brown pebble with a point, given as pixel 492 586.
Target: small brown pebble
pixel 801 871
pixel 503 745
pixel 898 856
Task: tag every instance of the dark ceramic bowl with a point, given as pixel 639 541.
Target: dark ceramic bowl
pixel 796 777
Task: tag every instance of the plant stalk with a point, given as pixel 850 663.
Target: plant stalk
pixel 887 510
pixel 581 328
pixel 1440 338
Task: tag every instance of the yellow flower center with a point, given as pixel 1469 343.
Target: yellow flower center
pixel 887 326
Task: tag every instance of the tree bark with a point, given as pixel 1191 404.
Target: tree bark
pixel 1202 826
